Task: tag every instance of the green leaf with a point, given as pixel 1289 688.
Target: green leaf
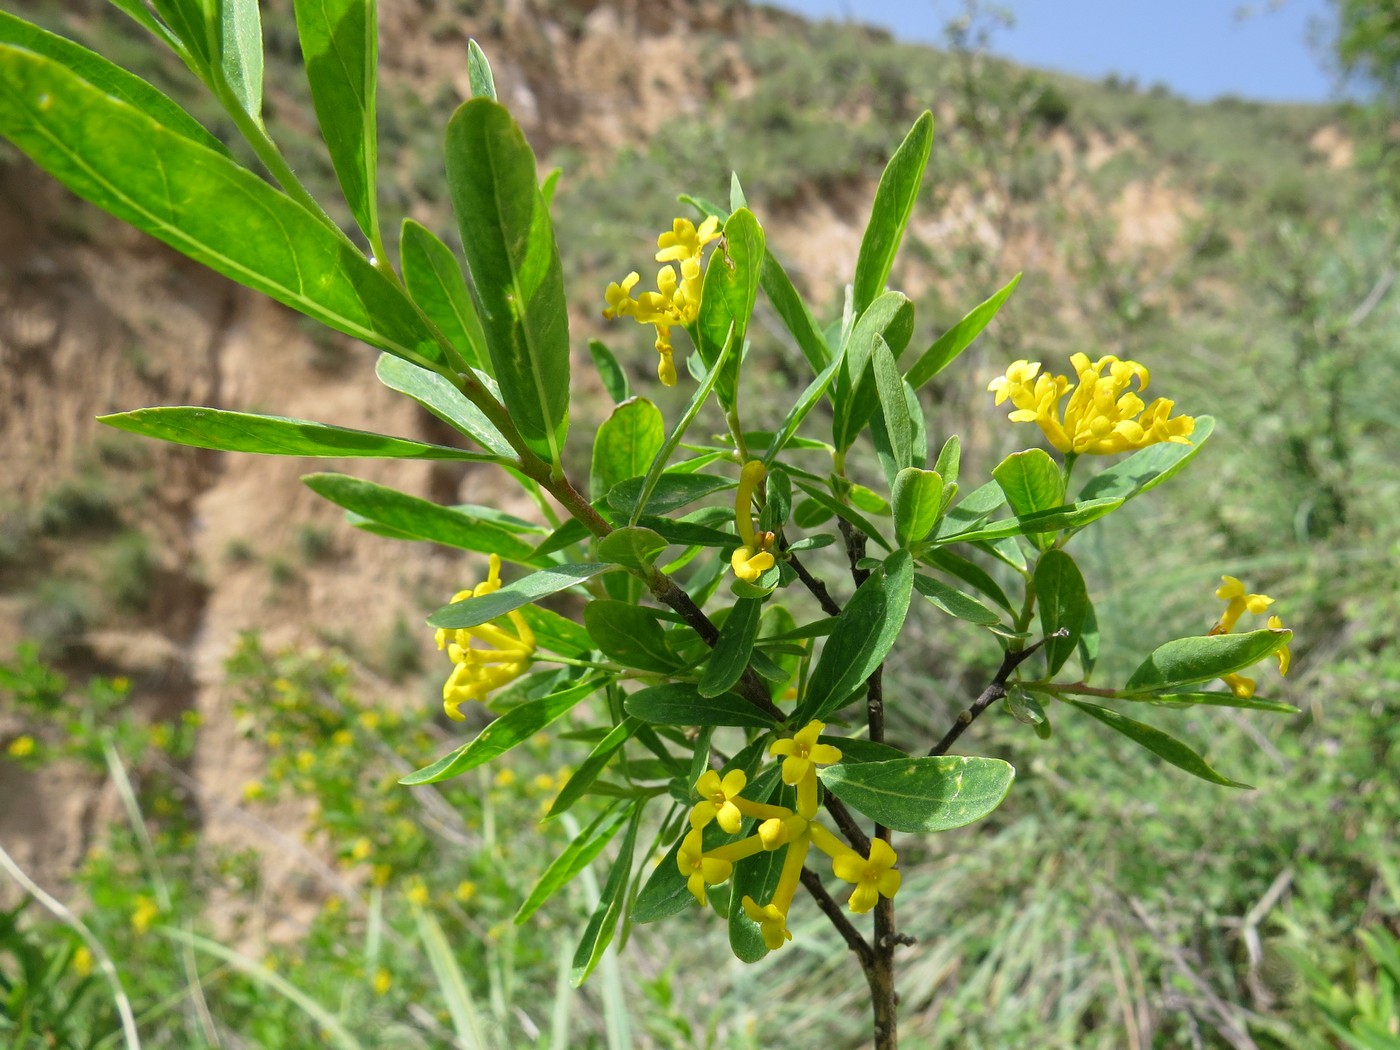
pixel 958 338
pixel 1070 516
pixel 340 46
pixel 921 794
pixel 733 649
pixel 437 394
pixel 473 611
pixel 626 444
pixel 865 632
pixel 858 749
pixel 1213 699
pixel 557 633
pixel 1164 746
pixel 610 372
pixel 665 892
pixel 841 510
pixel 632 547
pixel 898 421
pixel 680 704
pixel 728 296
pixel 630 635
pixel 1089 640
pixel 949 457
pixel 755 877
pixel 241 53
pixel 586 845
pixel 795 315
pixel 111 79
pixel 804 404
pixel 918 504
pixel 514 264
pixel 201 203
pixel 894 203
pixel 1148 467
pixel 969 572
pixel 434 280
pixel 1064 603
pixel 954 602
pixel 195 24
pixel 1031 480
pixel 513 728
pixel 972 509
pixel 1187 660
pixel 275 435
pixel 582 778
pixel 479 78
pixel 601 924
pixel 855 396
pixel 419 518
pixel 671 492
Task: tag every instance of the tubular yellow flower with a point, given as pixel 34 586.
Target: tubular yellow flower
pixel 502 656
pixel 753 558
pixel 1237 603
pixel 801 753
pixel 684 241
pixel 1104 414
pixel 772 923
pixel 718 800
pixel 874 877
pixel 700 870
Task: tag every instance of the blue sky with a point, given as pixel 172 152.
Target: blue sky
pixel 1199 48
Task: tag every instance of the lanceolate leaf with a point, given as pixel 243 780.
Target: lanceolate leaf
pixel 731 653
pixel 586 845
pixel 1064 604
pixel 680 704
pixel 954 602
pixel 473 611
pixel 1163 745
pixel 958 338
pixel 599 932
pixel 110 78
pixel 419 518
pixel 921 794
pixel 792 308
pixel 625 444
pixel 1148 467
pixel 514 263
pixel 483 84
pixel 630 635
pixel 1070 516
pixel 855 397
pixel 804 404
pixel 1187 660
pixel 894 203
pixel 581 779
pixel 918 502
pixel 730 290
pixel 894 408
pixel 201 203
pixel 241 53
pixel 437 394
pixel 609 371
pixel 510 730
pixel 665 892
pixel 434 279
pixel 275 435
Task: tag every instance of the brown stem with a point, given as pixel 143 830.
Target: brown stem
pixel 813 883
pixel 994 692
pixel 855 549
pixel 818 589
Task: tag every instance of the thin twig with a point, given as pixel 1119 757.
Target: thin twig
pixel 818 589
pixel 858 944
pixel 994 692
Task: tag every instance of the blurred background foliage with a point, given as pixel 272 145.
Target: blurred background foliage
pixel 1108 903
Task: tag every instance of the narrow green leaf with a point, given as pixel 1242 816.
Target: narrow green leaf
pixel 479 77
pixel 515 270
pixel 275 435
pixel 437 394
pixel 841 510
pixel 1186 660
pixel 434 280
pixel 806 401
pixel 473 611
pixel 954 602
pixel 920 795
pixel 557 633
pixel 898 421
pixel 686 533
pixel 958 338
pixel 1071 516
pixel 201 203
pixel 728 296
pixel 626 444
pixel 949 457
pixel 629 634
pixel 1064 602
pixel 1213 699
pixel 1089 640
pixel 1163 745
pixel 632 547
pixel 195 25
pixel 610 372
pixel 863 637
pixel 141 14
pixel 1032 481
pixel 918 504
pixel 854 396
pixel 582 778
pixel 737 199
pixel 461 1007
pixel 111 79
pixel 601 924
pixel 671 492
pixel 969 572
pixel 972 509
pixel 680 704
pixel 665 892
pixel 586 845
pixel 894 203
pixel 513 728
pixel 795 315
pixel 419 518
pixel 1148 467
pixel 241 53
pixel 733 649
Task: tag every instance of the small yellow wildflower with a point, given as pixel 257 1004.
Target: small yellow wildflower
pixel 342 738
pixel 253 790
pixel 82 961
pixel 147 910
pixel 380 874
pixel 504 778
pixel 754 557
pixel 874 877
pixel 1237 603
pixel 801 752
pixel 306 759
pixel 700 870
pixel 418 893
pixel 502 657
pixel 772 922
pixel 362 848
pixel 21 746
pixel 1104 414
pixel 465 891
pixel 383 981
pixel 369 720
pixel 543 782
pixel 717 800
pixel 334 905
pixel 121 684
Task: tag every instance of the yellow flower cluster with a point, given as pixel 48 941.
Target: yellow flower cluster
pixel 676 300
pixel 722 803
pixel 754 557
pixel 1104 414
pixel 502 657
pixel 1237 603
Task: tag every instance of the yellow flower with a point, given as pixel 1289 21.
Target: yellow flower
pixel 380 874
pixel 717 800
pixel 619 297
pixel 21 746
pixel 1104 414
pixel 146 912
pixel 362 848
pixel 418 893
pixel 383 981
pixel 369 720
pixel 342 738
pixel 699 870
pixel 253 790
pixel 772 923
pixel 466 890
pixel 874 877
pixel 503 655
pixel 1237 603
pixel 504 778
pixel 82 961
pixel 753 558
pixel 683 241
pixel 801 752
